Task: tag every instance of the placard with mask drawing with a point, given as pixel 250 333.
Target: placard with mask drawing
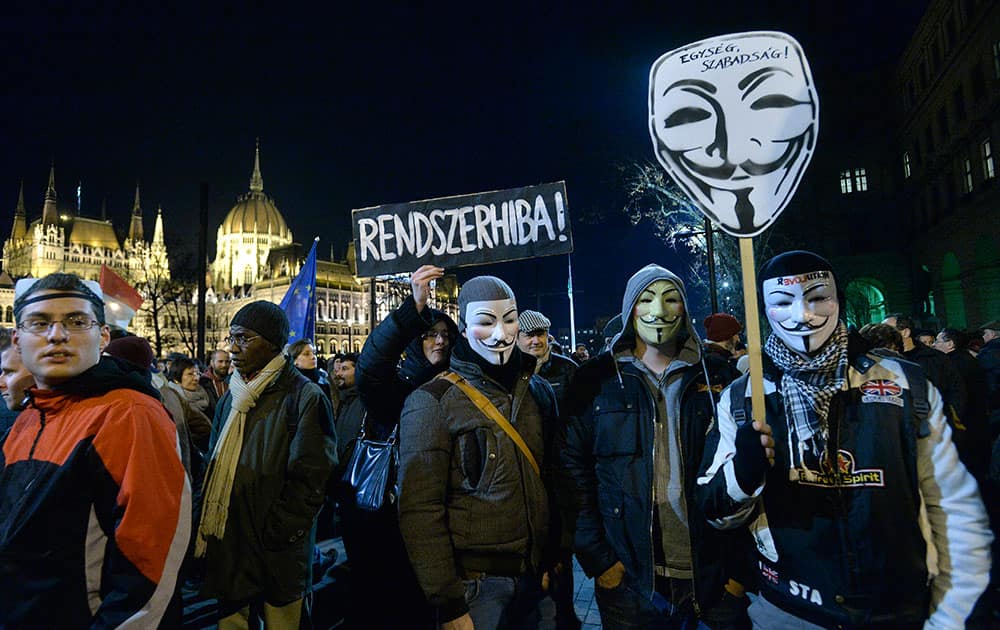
pixel 734 121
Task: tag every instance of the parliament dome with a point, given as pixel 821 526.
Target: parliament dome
pixel 253 228
pixel 255 213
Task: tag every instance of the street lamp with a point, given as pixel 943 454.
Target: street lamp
pixel 710 252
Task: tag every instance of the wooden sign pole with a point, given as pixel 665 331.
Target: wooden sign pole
pixel 754 346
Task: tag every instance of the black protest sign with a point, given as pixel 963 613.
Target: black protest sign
pixel 463 230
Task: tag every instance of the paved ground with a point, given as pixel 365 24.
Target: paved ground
pixel 586 607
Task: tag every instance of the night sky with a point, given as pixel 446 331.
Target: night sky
pixel 357 107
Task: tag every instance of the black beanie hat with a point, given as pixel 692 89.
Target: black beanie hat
pixel 265 319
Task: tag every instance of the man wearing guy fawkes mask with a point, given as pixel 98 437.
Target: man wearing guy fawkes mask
pixel 473 510
pixel 860 446
pixel 637 419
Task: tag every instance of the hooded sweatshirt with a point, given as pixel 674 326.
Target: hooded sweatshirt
pixel 665 390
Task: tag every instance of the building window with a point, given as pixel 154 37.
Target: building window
pixel 989 167
pixel 967 175
pixel 996 59
pixel 860 179
pixel 845 182
pixel 906 165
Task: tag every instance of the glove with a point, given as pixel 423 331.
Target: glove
pixel 750 462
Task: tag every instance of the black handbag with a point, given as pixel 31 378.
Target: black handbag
pixel 371 471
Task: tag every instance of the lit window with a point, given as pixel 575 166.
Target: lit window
pixel 845 182
pixel 967 175
pixel 989 168
pixel 860 179
pixel 906 165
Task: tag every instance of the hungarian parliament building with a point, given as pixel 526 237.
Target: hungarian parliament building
pixel 256 258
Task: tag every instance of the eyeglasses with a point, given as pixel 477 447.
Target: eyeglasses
pixel 436 334
pixel 71 324
pixel 239 340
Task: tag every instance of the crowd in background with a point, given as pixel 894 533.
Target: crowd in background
pixel 447 540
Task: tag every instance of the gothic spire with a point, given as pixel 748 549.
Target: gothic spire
pixel 136 208
pixel 256 181
pixel 50 214
pixel 135 228
pixel 20 222
pixel 158 227
pixel 19 210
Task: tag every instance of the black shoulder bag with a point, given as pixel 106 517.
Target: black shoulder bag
pixel 371 471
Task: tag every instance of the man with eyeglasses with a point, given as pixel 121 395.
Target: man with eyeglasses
pixel 271 453
pixel 95 505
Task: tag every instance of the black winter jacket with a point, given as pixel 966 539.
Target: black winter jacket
pixel 846 549
pixel 558 371
pixel 942 373
pixel 383 382
pixel 289 449
pixel 609 454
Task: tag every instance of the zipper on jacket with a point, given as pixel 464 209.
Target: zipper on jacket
pixel 680 449
pixel 34 444
pixel 652 553
pixel 652 477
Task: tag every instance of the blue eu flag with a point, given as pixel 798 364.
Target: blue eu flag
pixel 300 301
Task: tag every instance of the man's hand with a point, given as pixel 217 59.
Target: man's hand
pixel 612 577
pixel 462 623
pixel 754 453
pixel 420 283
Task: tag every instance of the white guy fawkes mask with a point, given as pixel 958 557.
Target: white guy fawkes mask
pixel 659 313
pixel 803 309
pixel 491 328
pixel 734 121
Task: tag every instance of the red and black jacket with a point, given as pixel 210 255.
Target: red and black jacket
pixel 94 506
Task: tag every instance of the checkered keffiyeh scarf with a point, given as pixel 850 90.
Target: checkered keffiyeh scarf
pixel 808 384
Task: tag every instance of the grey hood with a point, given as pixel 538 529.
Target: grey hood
pixel 691 348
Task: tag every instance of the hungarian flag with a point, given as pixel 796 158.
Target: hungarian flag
pixel 121 300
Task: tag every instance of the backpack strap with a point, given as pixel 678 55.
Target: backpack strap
pixel 737 400
pixel 917 380
pixel 488 408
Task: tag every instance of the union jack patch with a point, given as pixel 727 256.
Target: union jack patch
pixel 882 391
pixel 767 572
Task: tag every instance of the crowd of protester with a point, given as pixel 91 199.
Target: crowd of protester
pixel 864 500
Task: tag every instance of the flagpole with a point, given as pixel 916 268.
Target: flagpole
pixel 572 316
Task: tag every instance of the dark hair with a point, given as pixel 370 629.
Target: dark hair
pixel 955 336
pixel 297 348
pixel 882 336
pixel 349 356
pixel 6 339
pixel 62 282
pixel 902 322
pixel 178 367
